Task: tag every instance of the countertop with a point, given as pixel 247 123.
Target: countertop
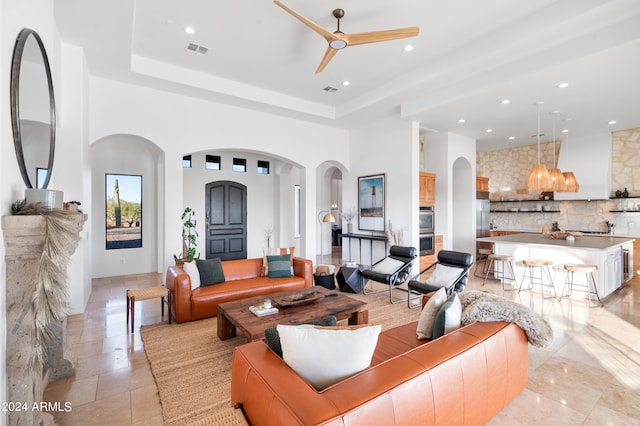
pixel 618 233
pixel 585 242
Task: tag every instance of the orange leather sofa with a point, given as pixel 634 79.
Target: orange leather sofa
pixel 242 279
pixel 464 378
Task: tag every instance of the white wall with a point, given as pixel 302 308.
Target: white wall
pixel 15 15
pixel 72 167
pixel 180 125
pixel 454 210
pixel 287 176
pixel 463 206
pixel 389 146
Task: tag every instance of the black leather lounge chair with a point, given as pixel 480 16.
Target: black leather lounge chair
pixel 392 270
pixel 455 279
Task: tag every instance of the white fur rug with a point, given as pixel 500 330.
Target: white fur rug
pixel 487 307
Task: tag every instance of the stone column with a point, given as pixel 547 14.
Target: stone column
pixel 24 239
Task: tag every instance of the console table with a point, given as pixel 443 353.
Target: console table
pixel 370 239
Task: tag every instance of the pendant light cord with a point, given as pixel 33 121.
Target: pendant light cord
pixel 538 134
pixel 554 141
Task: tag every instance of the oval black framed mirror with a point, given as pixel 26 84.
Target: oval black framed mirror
pixel 33 111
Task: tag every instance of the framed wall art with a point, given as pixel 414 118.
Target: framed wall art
pixel 123 207
pixel 371 198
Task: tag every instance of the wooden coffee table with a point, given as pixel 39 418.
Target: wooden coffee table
pixel 232 315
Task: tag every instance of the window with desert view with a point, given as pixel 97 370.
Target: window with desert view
pixel 123 211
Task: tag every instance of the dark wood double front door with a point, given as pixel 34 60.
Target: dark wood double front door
pixel 226 215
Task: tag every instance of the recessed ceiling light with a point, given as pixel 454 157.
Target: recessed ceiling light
pixel 565 131
pixel 408 48
pixel 346 83
pixel 461 120
pixel 505 101
pixel 563 85
pixel 612 122
pixel 489 130
pixel 189 30
pixel 511 138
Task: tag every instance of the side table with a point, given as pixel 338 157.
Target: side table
pixel 348 278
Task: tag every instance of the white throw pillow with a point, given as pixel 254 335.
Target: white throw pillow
pixel 323 357
pixel 428 314
pixel 387 266
pixel 448 317
pixel 194 275
pixel 443 275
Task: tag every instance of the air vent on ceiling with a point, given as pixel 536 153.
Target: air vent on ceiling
pixel 329 89
pixel 197 49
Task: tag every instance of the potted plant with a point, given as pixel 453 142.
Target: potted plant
pixel 189 237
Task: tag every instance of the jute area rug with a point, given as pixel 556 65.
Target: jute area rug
pixel 192 367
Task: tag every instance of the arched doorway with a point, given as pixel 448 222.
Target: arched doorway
pixel 329 200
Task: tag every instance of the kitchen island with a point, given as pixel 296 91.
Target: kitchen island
pixel 612 255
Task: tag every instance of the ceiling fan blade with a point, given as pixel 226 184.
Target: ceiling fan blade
pixel 328 55
pixel 376 36
pixel 328 35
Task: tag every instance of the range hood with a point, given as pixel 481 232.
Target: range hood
pixel 589 158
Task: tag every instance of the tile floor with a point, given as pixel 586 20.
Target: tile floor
pixel 590 375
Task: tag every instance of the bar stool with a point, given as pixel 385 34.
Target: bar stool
pixel 588 270
pixel 495 260
pixel 133 296
pixel 483 257
pixel 543 266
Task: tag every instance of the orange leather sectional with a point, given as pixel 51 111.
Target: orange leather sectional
pixel 464 378
pixel 242 279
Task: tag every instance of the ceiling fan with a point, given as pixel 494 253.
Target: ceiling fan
pixel 338 40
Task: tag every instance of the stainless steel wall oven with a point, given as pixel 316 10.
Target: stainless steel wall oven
pixel 427 244
pixel 427 228
pixel 426 220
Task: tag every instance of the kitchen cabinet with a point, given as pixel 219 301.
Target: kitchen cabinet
pixel 634 261
pixel 427 189
pixel 612 272
pixel 482 184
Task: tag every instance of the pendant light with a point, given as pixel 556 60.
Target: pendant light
pixel 570 181
pixel 539 178
pixel 557 178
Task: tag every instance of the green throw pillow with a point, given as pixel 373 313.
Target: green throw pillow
pixel 279 266
pixel 273 338
pixel 210 271
pixel 448 317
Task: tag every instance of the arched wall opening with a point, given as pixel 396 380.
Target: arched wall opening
pixel 328 200
pixel 276 213
pixel 124 154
